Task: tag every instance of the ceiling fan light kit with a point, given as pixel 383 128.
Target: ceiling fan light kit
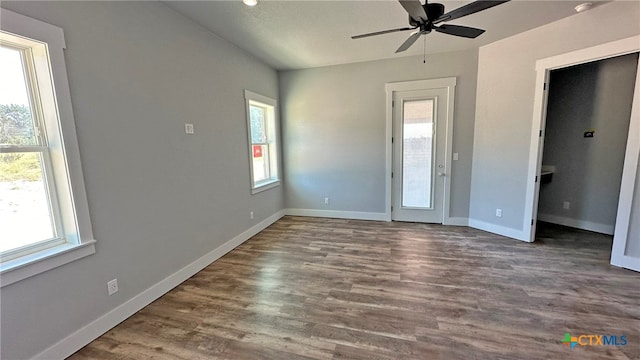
pixel 424 19
pixel 250 2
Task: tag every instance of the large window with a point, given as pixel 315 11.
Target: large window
pixel 43 210
pixel 263 141
pixel 28 210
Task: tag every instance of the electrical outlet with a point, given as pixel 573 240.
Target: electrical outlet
pixel 251 215
pixel 112 286
pixel 566 205
pixel 326 201
pixel 499 212
pixel 188 129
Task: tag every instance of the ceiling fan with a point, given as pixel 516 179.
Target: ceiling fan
pixel 425 17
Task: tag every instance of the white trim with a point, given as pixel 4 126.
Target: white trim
pixel 543 67
pixel 337 214
pixel 500 230
pixel 627 185
pixel 359 215
pixel 34 29
pixel 69 179
pixel 457 221
pixel 272 182
pixel 448 83
pixel 535 154
pixel 93 330
pixel 250 95
pixel 41 261
pixel 270 185
pixel 629 262
pixel 593 53
pixel 577 223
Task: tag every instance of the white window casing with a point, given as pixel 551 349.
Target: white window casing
pixel 44 45
pixel 264 173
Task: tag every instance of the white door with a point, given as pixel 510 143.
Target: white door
pixel 419 168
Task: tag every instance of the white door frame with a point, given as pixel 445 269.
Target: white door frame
pixel 629 174
pixel 390 88
pixel 543 67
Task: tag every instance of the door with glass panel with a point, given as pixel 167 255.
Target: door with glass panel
pixel 419 131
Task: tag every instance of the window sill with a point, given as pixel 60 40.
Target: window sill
pixel 37 263
pixel 265 186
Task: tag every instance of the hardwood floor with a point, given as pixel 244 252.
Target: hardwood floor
pixel 311 288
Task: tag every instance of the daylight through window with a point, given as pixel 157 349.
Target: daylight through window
pixel 263 141
pixel 44 217
pixel 27 208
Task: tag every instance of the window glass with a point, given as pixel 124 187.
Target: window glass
pixel 263 150
pixel 417 153
pixel 16 126
pixel 44 215
pixel 257 124
pixel 26 215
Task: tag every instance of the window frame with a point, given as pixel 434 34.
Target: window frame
pixel 53 116
pixel 272 142
pixel 40 147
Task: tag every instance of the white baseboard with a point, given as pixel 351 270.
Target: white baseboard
pixel 500 230
pixel 579 224
pixel 337 214
pixel 627 262
pixel 360 215
pixel 93 330
pixel 457 221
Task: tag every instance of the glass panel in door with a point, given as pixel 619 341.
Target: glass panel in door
pixel 417 153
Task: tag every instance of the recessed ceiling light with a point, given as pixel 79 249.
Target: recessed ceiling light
pixel 250 2
pixel 584 7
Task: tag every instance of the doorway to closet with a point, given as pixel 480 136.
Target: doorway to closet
pixel 585 138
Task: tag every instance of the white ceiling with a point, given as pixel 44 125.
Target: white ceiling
pixel 304 34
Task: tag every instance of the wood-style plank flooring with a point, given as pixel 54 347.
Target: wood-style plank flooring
pixel 311 288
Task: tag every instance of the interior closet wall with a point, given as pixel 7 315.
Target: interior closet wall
pixel 593 98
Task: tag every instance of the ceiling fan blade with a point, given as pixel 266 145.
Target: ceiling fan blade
pixel 458 30
pixel 407 43
pixel 468 9
pixel 415 9
pixel 382 32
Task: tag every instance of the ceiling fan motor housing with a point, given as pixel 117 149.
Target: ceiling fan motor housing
pixel 433 11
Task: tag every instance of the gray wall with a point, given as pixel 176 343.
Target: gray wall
pixel 633 236
pixel 334 130
pixel 159 199
pixel 504 104
pixel 598 96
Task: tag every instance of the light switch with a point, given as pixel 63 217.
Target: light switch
pixel 455 156
pixel 188 128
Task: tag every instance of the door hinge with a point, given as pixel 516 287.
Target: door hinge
pixel 392 175
pixel 392 208
pixel 531 221
pixel 540 133
pixel 545 86
pixel 536 179
pixel 393 103
pixel 392 139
